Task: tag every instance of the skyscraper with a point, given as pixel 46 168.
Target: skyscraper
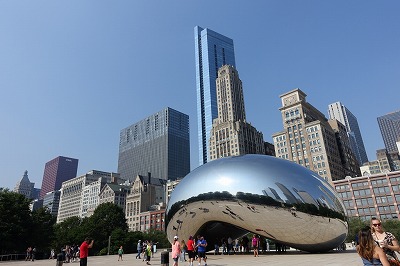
pixel 339 112
pixel 212 50
pixel 231 134
pixel 309 139
pixel 389 125
pixel 56 171
pixel 158 144
pixel 25 186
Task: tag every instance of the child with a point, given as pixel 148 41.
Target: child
pixel 120 252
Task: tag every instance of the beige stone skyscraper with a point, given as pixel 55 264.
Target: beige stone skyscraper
pixel 231 134
pixel 309 140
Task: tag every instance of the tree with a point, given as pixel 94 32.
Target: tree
pixel 42 229
pixel 15 222
pixel 72 230
pixel 106 218
pixel 355 224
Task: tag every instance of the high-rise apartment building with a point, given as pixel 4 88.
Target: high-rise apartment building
pixel 212 50
pixel 158 144
pixel 389 125
pixel 56 171
pixel 231 134
pixel 25 186
pixel 339 112
pixel 308 139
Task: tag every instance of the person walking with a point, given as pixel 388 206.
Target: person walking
pixel 368 250
pixel 201 250
pixel 255 242
pixel 139 247
pixel 386 240
pixel 120 252
pixel 190 249
pixel 84 251
pixel 176 250
pixel 148 252
pixel 183 251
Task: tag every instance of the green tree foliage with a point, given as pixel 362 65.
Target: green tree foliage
pixel 15 222
pixel 106 218
pixel 42 229
pixel 392 226
pixel 72 230
pixel 355 224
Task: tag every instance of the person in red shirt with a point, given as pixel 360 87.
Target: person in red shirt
pixel 84 251
pixel 190 250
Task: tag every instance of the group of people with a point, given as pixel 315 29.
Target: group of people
pixel 244 245
pixel 30 254
pixel 194 248
pixel 146 249
pixel 377 247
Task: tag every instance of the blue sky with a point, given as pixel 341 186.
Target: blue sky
pixel 74 73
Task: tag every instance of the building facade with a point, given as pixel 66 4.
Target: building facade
pixel 153 220
pixel 389 125
pixel 307 138
pixel 158 144
pixel 145 192
pixel 231 134
pixel 376 195
pixel 212 50
pixel 348 160
pixel 57 171
pixel 385 162
pixel 25 186
pixel 114 193
pixel 339 112
pixel 80 195
pixel 51 201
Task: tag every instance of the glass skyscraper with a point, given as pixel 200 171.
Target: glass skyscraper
pixel 212 50
pixel 339 112
pixel 158 144
pixel 390 129
pixel 57 171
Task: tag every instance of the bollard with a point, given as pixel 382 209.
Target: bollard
pixel 165 258
pixel 60 259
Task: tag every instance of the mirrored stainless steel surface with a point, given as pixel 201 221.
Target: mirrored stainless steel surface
pixel 269 196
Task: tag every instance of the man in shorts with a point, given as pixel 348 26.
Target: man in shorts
pixel 190 249
pixel 201 250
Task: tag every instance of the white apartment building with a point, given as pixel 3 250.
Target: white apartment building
pixel 80 195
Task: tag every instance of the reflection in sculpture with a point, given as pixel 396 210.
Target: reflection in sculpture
pixel 272 197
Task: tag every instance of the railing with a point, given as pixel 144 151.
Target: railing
pixel 8 257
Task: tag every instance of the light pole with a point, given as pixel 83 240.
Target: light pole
pixel 109 241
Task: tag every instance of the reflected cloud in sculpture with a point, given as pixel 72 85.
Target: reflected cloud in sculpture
pixel 272 197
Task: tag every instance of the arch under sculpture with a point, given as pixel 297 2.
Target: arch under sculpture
pixel 266 195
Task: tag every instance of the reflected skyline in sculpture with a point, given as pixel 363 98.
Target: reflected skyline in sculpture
pixel 266 195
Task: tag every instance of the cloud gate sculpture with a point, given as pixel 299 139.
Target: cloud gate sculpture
pixel 269 196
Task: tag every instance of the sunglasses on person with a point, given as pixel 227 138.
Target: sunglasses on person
pixel 379 224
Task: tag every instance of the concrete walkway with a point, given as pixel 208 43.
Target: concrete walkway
pixel 348 258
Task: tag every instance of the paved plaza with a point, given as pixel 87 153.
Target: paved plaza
pixel 348 258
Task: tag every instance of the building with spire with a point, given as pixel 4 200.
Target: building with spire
pixel 231 134
pixel 25 186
